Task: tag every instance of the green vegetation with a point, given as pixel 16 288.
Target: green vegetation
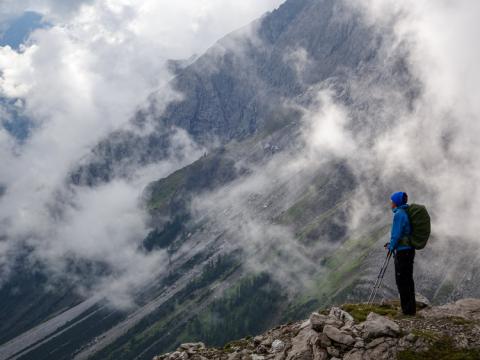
pixel 29 298
pixel 441 349
pixel 426 334
pixel 161 239
pixel 338 278
pixel 159 332
pixel 169 195
pixel 245 309
pixel 361 311
pixel 458 320
pixel 230 347
pixel 163 190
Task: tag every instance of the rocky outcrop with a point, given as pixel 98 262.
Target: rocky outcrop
pixel 452 329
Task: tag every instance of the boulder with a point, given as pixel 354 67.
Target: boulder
pixel 340 314
pixel 334 322
pixel 377 326
pixel 301 348
pixel 277 346
pixel 332 351
pixel 304 324
pixel 359 344
pixel 319 354
pixel 338 336
pixel 466 308
pixel 381 352
pixel 317 321
pixel 375 342
pixel 422 301
pixel 321 341
pixel 191 346
pixel 257 357
pixel 354 355
pixel 258 340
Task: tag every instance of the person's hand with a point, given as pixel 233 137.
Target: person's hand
pixel 387 245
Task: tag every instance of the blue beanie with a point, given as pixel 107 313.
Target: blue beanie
pixel 398 198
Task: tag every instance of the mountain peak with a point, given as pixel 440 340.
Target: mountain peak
pixel 359 332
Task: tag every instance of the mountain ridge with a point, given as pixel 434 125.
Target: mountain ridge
pixel 358 332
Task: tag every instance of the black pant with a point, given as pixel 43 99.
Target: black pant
pixel 404 279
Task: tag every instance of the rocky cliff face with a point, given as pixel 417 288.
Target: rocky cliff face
pixel 240 86
pixel 364 332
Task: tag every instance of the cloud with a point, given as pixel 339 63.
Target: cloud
pixel 77 81
pixel 410 123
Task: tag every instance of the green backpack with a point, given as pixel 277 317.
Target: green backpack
pixel 420 224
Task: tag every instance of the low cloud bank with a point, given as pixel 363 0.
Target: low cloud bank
pixel 77 81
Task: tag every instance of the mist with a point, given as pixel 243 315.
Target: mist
pixel 414 129
pixel 77 80
pixel 85 75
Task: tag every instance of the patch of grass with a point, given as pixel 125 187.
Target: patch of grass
pixel 361 311
pixel 230 347
pixel 426 334
pixel 442 349
pixel 458 320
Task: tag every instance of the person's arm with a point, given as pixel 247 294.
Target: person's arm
pixel 397 229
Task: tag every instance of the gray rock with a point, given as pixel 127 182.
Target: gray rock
pixel 317 321
pixel 377 326
pixel 334 322
pixel 375 342
pixel 191 346
pixel 267 341
pixel 262 349
pixel 422 301
pixel 354 355
pixel 301 348
pixel 235 356
pixel 258 340
pixel 466 308
pixel 319 354
pixel 381 352
pixel 359 344
pixel 338 336
pixel 277 346
pixel 411 337
pixel 333 351
pixel 340 314
pixel 321 341
pixel 175 355
pixel 304 324
pixel 257 357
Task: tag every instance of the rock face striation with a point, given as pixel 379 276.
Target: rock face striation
pixel 449 331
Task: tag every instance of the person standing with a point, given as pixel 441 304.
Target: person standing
pixel 403 252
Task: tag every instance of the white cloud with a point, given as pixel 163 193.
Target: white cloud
pixel 78 80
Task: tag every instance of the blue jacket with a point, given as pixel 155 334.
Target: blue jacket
pixel 400 228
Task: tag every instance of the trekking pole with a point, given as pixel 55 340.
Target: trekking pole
pixel 378 281
pixel 381 279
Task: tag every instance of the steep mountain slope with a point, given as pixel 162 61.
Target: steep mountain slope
pixel 240 86
pixel 255 234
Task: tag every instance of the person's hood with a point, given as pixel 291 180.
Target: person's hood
pixel 397 198
pixel 404 206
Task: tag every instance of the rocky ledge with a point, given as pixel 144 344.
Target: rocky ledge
pixel 359 332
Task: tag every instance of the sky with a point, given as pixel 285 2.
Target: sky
pixel 75 71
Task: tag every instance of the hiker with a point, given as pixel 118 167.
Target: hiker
pixel 403 252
